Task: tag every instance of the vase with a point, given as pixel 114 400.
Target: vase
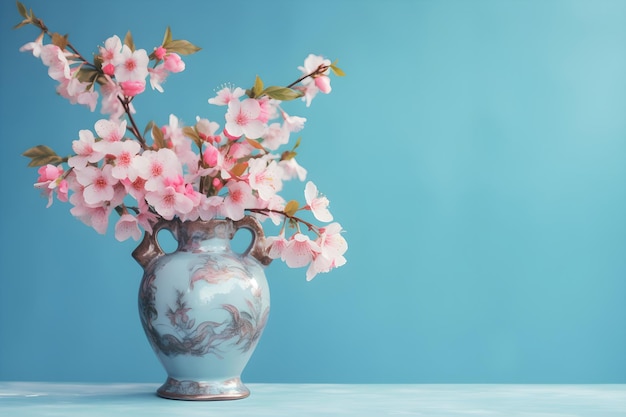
pixel 203 306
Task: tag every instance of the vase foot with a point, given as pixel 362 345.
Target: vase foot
pixel 230 389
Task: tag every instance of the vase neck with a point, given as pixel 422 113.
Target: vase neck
pixel 206 236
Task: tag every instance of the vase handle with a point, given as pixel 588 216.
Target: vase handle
pixel 257 246
pixel 149 248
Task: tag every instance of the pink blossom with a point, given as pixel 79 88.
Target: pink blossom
pixel 155 166
pixel 292 169
pixel 265 178
pixel 34 47
pixel 110 130
pixel 146 218
pixel 125 153
pixel 197 199
pixel 240 150
pixel 333 246
pixel 319 264
pixel 226 95
pixel 160 52
pixel 98 183
pixel 181 144
pixel 63 190
pixel 321 82
pixel 299 251
pixel 174 63
pixel 241 118
pixel 293 123
pixel 50 180
pixel 78 92
pixel 238 199
pixel 108 69
pixel 133 88
pixel 168 202
pixel 210 207
pixel 96 216
pixel 54 58
pixel 126 227
pixel 111 53
pixel 322 264
pixel 268 109
pixel 158 75
pixel 309 92
pixel 111 94
pixel 85 152
pixel 275 204
pixel 212 156
pixel 275 136
pixel 133 66
pixel 316 203
pixel 276 245
pixel 49 173
pixel 206 130
pixel 135 188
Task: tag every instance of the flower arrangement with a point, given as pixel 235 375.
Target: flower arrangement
pixel 202 171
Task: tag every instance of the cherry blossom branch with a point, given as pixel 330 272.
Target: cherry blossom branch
pixel 67 45
pixel 133 129
pixel 320 70
pixel 267 211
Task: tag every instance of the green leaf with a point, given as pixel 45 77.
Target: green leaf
pixel 181 47
pixel 157 136
pixel 42 155
pixel 336 70
pixel 288 155
pixel 190 132
pixel 59 40
pixel 258 87
pixel 291 208
pixel 87 75
pixel 281 93
pixel 22 23
pixel 128 41
pixel 255 144
pixel 239 169
pixel 168 36
pixel 148 127
pixel 97 61
pixel 298 141
pixel 22 10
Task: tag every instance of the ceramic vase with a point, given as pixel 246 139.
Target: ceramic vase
pixel 203 307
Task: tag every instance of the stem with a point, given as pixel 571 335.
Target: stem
pixel 134 129
pixel 41 25
pixel 266 211
pixel 320 70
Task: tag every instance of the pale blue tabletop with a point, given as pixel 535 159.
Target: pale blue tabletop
pixel 301 400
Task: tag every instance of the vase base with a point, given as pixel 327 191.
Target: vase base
pixel 230 389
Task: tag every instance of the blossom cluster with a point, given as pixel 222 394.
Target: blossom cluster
pixel 190 172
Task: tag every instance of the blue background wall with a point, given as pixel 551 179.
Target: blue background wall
pixel 475 153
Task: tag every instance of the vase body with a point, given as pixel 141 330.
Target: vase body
pixel 203 307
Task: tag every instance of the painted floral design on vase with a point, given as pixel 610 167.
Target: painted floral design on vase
pixel 203 307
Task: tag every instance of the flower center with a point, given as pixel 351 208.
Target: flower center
pixel 124 159
pixel 242 119
pixel 100 182
pixel 130 65
pixel 157 170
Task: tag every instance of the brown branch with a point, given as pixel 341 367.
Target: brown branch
pixel 134 129
pixel 266 211
pixel 319 71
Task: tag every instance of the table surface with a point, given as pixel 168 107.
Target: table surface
pixel 302 400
